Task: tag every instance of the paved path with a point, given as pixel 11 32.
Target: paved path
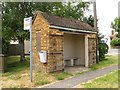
pixel 71 82
pixel 113 51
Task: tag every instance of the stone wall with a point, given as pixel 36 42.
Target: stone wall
pixel 92 48
pixel 51 40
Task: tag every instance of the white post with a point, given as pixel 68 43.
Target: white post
pixel 86 51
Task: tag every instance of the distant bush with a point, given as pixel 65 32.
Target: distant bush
pixel 115 42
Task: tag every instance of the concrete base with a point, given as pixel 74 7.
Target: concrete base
pixel 75 69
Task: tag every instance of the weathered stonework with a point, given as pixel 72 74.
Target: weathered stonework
pixel 52 42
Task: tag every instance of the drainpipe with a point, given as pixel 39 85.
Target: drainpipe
pixel 95 27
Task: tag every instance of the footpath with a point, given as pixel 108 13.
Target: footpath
pixel 71 82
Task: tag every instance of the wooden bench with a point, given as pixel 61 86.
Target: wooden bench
pixel 72 61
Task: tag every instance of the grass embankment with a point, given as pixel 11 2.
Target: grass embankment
pixel 17 74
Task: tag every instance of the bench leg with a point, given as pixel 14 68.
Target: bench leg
pixel 72 62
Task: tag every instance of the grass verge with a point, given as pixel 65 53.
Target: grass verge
pixel 108 61
pixel 108 81
pixel 62 76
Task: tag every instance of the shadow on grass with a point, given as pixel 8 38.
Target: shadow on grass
pixel 14 65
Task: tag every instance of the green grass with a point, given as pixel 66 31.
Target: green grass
pixel 41 82
pixel 14 64
pixel 109 60
pixel 62 76
pixel 108 81
pixel 15 67
pixel 14 77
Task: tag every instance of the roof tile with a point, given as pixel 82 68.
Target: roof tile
pixel 65 22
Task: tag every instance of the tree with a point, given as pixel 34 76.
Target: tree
pixel 116 26
pixel 72 10
pixel 13 15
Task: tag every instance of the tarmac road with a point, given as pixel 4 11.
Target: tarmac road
pixel 113 51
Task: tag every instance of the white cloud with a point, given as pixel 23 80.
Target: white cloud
pixel 107 11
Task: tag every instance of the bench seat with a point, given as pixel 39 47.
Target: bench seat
pixel 70 62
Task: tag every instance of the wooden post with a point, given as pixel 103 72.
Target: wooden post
pixel 3 63
pixel 95 15
pixel 96 29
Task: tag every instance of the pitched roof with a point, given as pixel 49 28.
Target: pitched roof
pixel 66 22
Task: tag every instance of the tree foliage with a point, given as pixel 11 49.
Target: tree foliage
pixel 13 15
pixel 69 10
pixel 115 42
pixel 73 10
pixel 89 20
pixel 116 26
pixel 102 46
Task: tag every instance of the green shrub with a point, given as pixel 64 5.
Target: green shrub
pixel 102 46
pixel 115 42
pixel 103 49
